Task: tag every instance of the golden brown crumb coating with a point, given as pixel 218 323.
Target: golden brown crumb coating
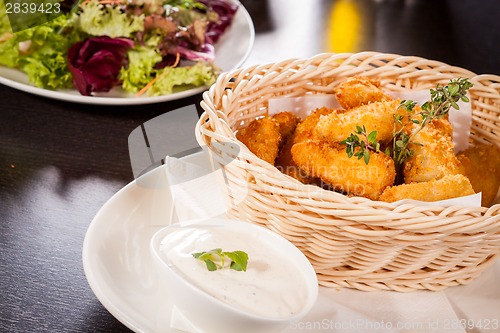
pixel 287 122
pixel 357 91
pixel 350 175
pixel 262 137
pixel 303 131
pixel 433 156
pixel 284 162
pixel 450 186
pixel 376 116
pixel 442 124
pixel 481 164
pixel 306 128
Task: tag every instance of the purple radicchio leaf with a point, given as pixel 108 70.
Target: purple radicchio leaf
pixel 95 63
pixel 226 11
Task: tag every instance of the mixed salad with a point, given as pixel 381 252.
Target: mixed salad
pixel 149 47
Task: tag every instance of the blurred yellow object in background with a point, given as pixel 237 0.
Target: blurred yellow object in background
pixel 344 27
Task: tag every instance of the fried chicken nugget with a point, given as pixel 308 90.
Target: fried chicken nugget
pixel 481 164
pixel 433 156
pixel 306 129
pixel 378 116
pixel 287 121
pixel 284 163
pixel 357 91
pixel 303 131
pixel 450 186
pixel 350 175
pixel 262 137
pixel 441 124
pixel 265 136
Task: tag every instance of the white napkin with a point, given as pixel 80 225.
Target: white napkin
pixel 348 310
pixel 479 301
pixel 196 191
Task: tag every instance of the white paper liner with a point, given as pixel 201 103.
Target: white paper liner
pixel 473 200
pixel 302 106
pixel 461 121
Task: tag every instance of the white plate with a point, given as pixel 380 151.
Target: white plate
pixel 119 268
pixel 231 51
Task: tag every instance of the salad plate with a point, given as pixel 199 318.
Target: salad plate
pixel 120 271
pixel 231 51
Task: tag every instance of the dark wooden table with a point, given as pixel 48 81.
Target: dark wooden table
pixel 60 162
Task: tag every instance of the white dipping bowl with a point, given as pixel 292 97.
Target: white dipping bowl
pixel 210 313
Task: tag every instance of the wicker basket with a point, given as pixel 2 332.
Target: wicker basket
pixel 353 242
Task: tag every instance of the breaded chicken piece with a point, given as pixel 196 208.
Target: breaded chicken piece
pixel 441 124
pixel 481 164
pixel 450 186
pixel 284 163
pixel 303 131
pixel 349 175
pixel 433 156
pixel 306 129
pixel 287 121
pixel 357 91
pixel 262 137
pixel 378 116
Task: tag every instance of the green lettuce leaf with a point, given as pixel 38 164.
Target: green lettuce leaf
pixel 49 72
pixel 140 69
pixel 9 50
pixel 198 75
pixel 99 20
pixel 187 4
pixel 45 60
pixel 4 20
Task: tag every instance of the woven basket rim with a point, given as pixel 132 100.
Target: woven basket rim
pixel 353 56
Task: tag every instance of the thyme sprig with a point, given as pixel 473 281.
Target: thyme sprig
pixel 401 140
pixel 443 98
pixel 360 143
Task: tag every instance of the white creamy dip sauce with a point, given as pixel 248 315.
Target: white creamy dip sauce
pixel 272 286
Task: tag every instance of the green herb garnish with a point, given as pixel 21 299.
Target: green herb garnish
pixel 401 140
pixel 217 259
pixel 443 98
pixel 360 143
